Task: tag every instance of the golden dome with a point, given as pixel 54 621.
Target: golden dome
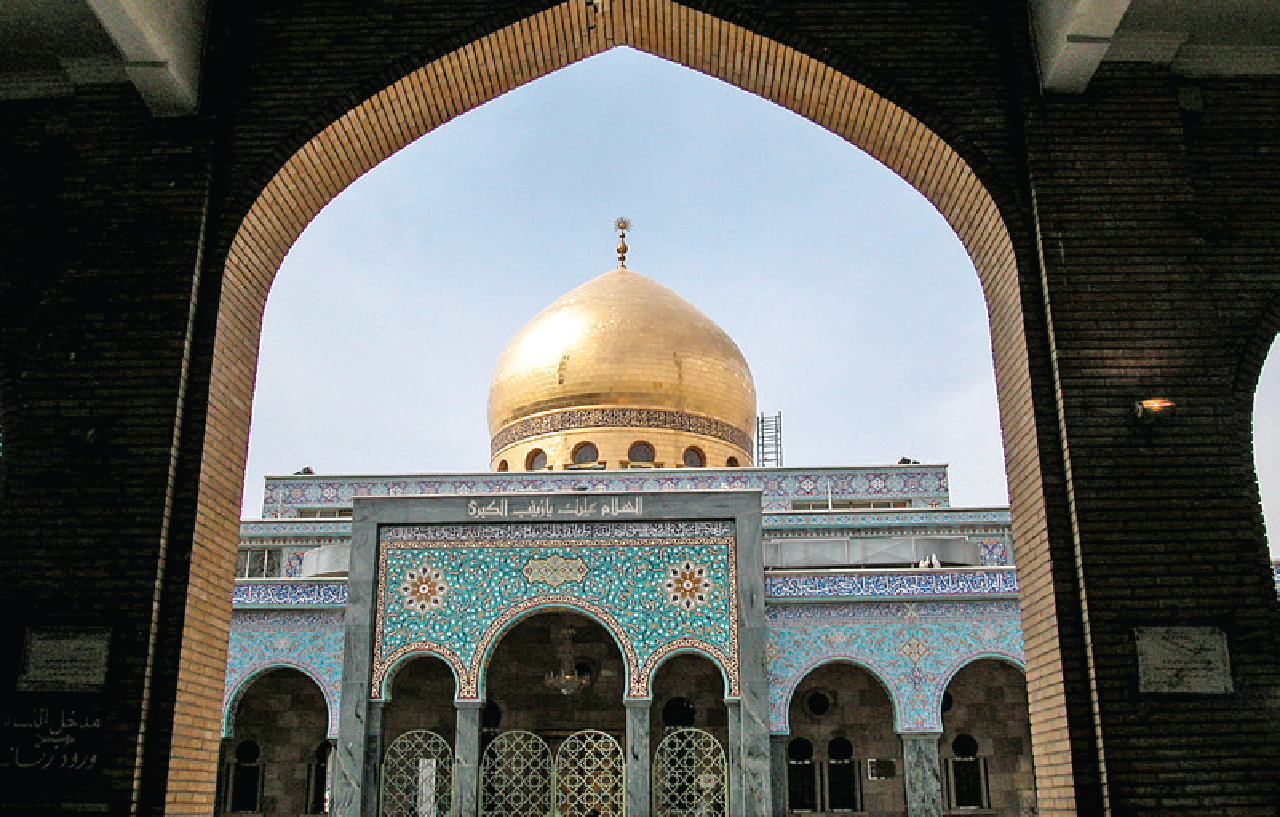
pixel 622 341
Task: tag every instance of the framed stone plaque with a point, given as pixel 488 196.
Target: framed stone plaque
pixel 1183 660
pixel 64 659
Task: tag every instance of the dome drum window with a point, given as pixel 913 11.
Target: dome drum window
pixel 694 458
pixel 586 456
pixel 536 460
pixel 642 455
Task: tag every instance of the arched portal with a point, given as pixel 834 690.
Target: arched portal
pixel 516 54
pixel 842 753
pixel 688 691
pixel 276 762
pixel 985 747
pixel 422 693
pixel 554 674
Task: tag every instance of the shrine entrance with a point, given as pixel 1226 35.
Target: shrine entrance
pixel 554 723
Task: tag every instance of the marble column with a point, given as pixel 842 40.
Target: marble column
pixel 371 779
pixel 638 756
pixel 466 759
pixel 778 772
pixel 922 773
pixel 733 707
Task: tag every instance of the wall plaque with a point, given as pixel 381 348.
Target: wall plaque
pixel 1183 660
pixel 64 659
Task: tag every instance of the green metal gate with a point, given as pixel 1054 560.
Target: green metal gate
pixel 690 776
pixel 417 776
pixel 516 776
pixel 590 776
pixel 587 778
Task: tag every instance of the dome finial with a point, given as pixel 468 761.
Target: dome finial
pixel 622 224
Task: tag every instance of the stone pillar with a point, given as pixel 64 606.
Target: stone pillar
pixel 922 773
pixel 778 772
pixel 466 759
pixel 733 708
pixel 639 772
pixel 371 779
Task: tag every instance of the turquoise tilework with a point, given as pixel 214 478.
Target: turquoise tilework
pixel 454 589
pixel 913 648
pixel 309 641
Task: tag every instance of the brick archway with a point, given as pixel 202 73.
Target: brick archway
pixel 487 68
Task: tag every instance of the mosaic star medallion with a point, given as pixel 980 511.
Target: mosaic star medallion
pixel 688 585
pixel 424 589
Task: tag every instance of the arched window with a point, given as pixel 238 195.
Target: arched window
pixel 732 462
pixel 246 778
pixel 536 461
pixel 966 774
pixel 842 776
pixel 586 454
pixel 641 452
pixel 802 776
pixel 502 465
pixel 318 780
pixel 694 458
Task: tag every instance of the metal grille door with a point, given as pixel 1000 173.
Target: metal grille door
pixel 590 776
pixel 417 776
pixel 689 775
pixel 516 776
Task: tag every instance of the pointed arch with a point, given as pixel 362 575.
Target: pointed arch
pixel 782 721
pixel 503 624
pixel 513 55
pixel 237 689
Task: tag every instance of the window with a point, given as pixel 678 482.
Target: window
pixel 817 703
pixel 325 513
pixel 842 777
pixel 586 455
pixel 246 778
pixel 502 465
pixel 966 775
pixel 641 453
pixel 802 776
pixel 822 785
pixel 318 781
pixel 693 458
pixel 257 563
pixel 536 461
pixel 845 504
pixel 732 462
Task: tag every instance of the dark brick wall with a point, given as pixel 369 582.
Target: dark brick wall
pixel 1152 201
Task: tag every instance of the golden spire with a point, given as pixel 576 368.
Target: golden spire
pixel 622 224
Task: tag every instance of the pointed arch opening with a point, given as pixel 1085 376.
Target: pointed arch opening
pixel 373 130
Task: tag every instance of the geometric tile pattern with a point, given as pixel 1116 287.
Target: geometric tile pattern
pixel 494 574
pixel 885 584
pixel 309 641
pixel 921 485
pixel 914 648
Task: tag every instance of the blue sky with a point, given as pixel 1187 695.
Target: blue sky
pixel 852 300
